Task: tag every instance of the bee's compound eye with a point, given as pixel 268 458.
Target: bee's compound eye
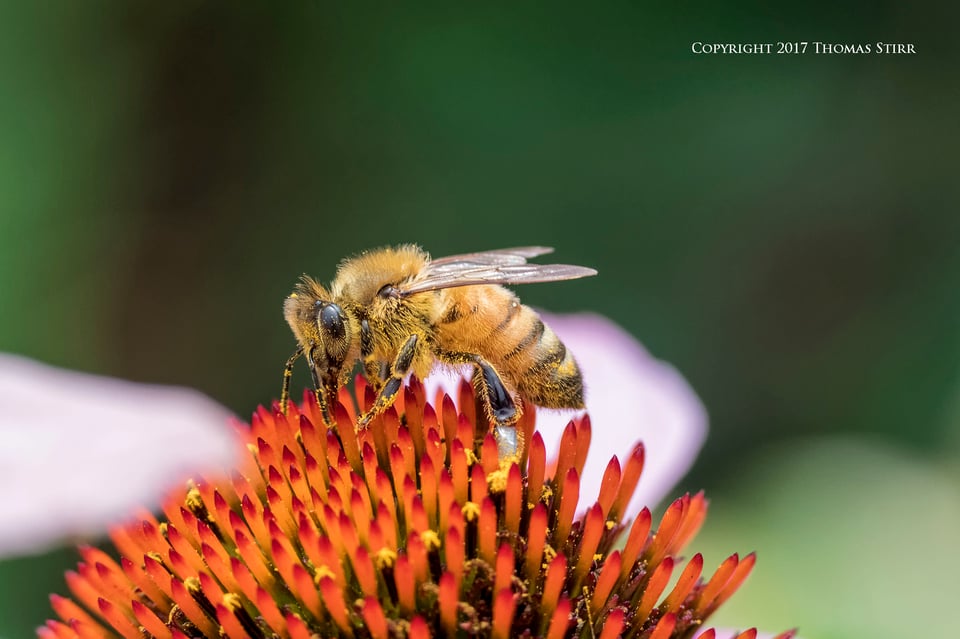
pixel 330 319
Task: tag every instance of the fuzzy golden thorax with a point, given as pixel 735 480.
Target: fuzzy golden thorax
pixel 362 285
pixel 360 278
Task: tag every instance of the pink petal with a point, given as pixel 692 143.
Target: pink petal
pixel 630 396
pixel 80 451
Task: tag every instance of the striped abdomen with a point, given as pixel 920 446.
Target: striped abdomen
pixel 490 321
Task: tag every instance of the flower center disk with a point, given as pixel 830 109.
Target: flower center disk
pixel 413 527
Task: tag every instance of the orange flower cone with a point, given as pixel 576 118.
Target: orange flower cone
pixel 411 528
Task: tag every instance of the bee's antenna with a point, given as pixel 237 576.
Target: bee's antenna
pixel 287 373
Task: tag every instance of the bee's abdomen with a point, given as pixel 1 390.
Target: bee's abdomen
pixel 541 366
pixel 491 322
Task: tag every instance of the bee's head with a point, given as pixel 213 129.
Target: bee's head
pixel 323 329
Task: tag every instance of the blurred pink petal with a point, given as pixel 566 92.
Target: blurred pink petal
pixel 631 396
pixel 80 451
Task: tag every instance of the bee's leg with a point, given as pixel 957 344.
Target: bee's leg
pixel 321 393
pixel 497 400
pixel 501 409
pixel 374 370
pixel 287 373
pixel 388 391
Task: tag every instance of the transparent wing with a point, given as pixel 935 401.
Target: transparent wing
pixel 518 255
pixel 505 266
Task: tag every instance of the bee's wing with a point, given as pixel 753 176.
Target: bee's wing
pixel 492 267
pixel 518 255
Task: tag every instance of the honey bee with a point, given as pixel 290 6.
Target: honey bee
pixel 397 311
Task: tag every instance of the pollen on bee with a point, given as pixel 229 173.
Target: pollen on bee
pixel 568 367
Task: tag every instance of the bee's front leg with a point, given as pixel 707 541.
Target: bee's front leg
pixel 287 374
pixel 321 394
pixel 389 389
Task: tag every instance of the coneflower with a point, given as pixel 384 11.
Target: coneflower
pixel 411 528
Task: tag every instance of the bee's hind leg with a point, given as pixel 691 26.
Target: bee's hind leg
pixel 388 390
pixel 501 409
pixel 497 400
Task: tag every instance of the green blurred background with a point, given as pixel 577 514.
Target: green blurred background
pixel 782 228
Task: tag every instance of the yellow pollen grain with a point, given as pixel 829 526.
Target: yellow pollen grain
pixel 385 558
pixel 598 557
pixel 471 457
pixel 293 295
pixel 549 554
pixel 430 539
pixel 470 510
pixel 232 601
pixel 163 528
pixel 546 493
pixel 155 556
pixel 323 571
pixel 610 524
pixel 511 459
pixel 192 584
pixel 566 368
pixel 497 481
pixel 193 500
